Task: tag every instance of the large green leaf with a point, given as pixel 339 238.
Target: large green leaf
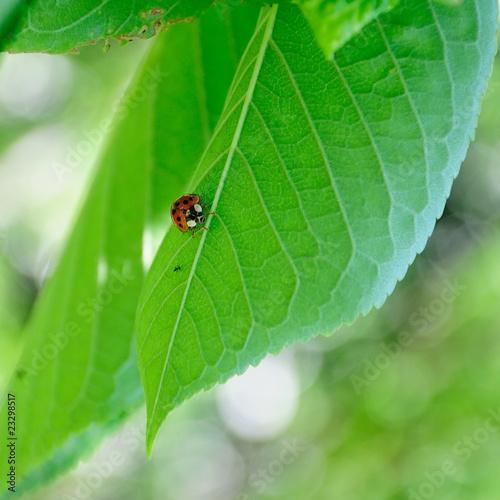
pixel 327 178
pixel 336 21
pixel 54 27
pixel 70 395
pixel 12 310
pixel 78 366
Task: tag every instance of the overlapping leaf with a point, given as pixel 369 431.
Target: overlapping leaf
pixel 335 22
pixel 54 27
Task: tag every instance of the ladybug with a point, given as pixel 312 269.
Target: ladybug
pixel 188 214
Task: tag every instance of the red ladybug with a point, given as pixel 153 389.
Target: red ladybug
pixel 188 214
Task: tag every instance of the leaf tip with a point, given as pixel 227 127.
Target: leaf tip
pixel 151 433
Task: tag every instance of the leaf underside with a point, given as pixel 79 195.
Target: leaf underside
pixel 327 178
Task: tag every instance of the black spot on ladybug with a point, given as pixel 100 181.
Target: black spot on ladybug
pixel 180 225
pixel 191 198
pixel 177 203
pixel 178 218
pixel 185 202
pixel 173 211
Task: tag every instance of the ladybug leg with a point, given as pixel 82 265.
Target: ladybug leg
pixel 201 227
pixel 208 210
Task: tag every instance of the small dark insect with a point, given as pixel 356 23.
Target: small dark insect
pixel 177 268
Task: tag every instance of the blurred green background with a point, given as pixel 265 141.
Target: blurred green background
pixel 404 404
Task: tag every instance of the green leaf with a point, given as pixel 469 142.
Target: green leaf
pixel 75 389
pixel 10 11
pixel 12 312
pixel 450 3
pixel 55 27
pixel 327 178
pixel 79 365
pixel 336 21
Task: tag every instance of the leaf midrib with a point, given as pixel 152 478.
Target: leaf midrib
pixel 271 16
